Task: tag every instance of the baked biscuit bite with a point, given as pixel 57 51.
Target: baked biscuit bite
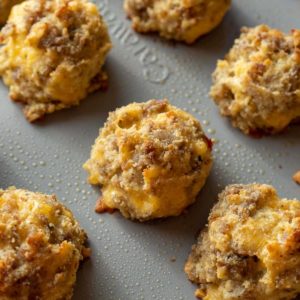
pixel 257 85
pixel 41 247
pixel 53 53
pixel 151 160
pixel 5 7
pixel 250 248
pixel 181 20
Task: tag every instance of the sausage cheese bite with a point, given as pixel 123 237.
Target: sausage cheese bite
pixel 151 160
pixel 41 247
pixel 250 247
pixel 181 20
pixel 5 7
pixel 52 55
pixel 257 85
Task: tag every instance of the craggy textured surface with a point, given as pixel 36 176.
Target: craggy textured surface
pixel 129 260
pixel 182 20
pixel 257 85
pixel 250 248
pixel 151 159
pixel 41 247
pixel 5 7
pixel 53 54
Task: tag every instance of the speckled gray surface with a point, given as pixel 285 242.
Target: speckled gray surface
pixel 132 260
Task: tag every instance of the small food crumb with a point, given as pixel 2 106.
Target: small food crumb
pixel 87 252
pixel 296 177
pixel 172 258
pixel 199 294
pixel 101 207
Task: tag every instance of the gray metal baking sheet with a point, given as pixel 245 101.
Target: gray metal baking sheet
pixel 132 260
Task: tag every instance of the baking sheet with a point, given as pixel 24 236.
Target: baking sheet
pixel 132 260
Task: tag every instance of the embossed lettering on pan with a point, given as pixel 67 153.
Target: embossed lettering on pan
pixel 154 69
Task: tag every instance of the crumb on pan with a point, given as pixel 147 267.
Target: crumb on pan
pixel 182 20
pixel 250 248
pixel 151 160
pixel 41 247
pixel 296 177
pixel 101 207
pixel 52 54
pixel 257 85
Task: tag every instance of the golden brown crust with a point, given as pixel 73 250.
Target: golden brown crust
pixel 41 247
pixel 182 20
pixel 101 207
pixel 5 7
pixel 250 248
pixel 257 85
pixel 296 177
pixel 53 54
pixel 151 160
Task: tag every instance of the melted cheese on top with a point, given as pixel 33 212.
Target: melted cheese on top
pixel 151 160
pixel 40 248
